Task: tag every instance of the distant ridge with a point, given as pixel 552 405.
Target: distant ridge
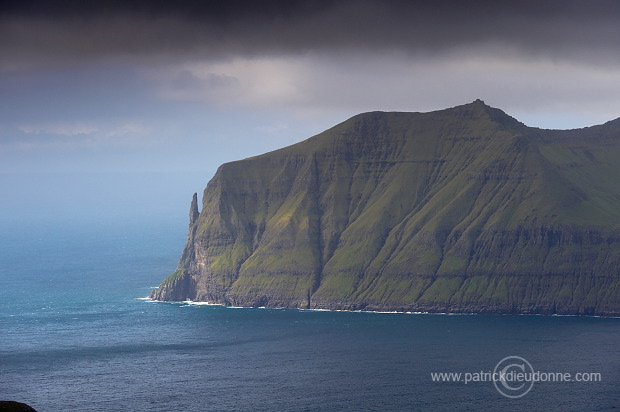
pixel 459 210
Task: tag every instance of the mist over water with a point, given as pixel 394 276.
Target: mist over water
pixel 77 336
pixel 91 197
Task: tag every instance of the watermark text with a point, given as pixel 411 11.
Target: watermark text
pixel 514 376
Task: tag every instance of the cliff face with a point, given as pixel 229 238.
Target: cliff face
pixel 459 210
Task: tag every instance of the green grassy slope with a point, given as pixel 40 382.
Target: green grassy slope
pixel 463 209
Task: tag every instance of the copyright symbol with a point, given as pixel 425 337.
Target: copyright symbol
pixel 513 377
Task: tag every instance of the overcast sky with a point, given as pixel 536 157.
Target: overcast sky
pixel 182 86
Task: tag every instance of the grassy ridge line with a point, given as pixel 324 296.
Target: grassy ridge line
pixel 453 210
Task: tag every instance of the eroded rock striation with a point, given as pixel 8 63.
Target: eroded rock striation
pixel 459 210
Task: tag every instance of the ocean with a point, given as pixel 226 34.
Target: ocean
pixel 78 334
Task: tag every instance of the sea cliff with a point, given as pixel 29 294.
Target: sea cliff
pixel 459 210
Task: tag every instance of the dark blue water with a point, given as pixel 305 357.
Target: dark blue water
pixel 76 336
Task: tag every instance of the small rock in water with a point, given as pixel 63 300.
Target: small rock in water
pixel 12 406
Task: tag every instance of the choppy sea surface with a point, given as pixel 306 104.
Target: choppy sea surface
pixel 78 335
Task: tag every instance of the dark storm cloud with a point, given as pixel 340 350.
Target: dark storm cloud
pixel 42 33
